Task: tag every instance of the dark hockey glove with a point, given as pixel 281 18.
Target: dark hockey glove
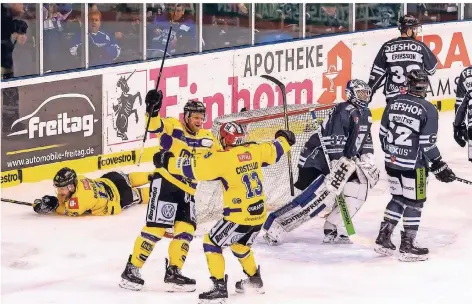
pixel 442 172
pixel 153 102
pixel 289 136
pixel 46 204
pixel 460 134
pixel 161 159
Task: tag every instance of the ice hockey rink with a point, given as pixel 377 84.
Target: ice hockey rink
pixel 53 259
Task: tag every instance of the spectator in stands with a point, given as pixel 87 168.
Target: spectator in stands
pixel 13 32
pixel 103 47
pixel 225 26
pixel 55 50
pixel 127 32
pixel 183 38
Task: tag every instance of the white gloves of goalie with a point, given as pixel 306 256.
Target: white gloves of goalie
pixel 366 169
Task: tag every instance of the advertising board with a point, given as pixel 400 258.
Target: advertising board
pixel 58 121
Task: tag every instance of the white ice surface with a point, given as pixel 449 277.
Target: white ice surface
pixel 52 259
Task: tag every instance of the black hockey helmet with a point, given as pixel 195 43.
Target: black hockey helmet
pixel 409 25
pixel 194 106
pixel 65 177
pixel 417 82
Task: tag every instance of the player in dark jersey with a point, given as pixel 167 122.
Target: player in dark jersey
pixel 345 134
pixel 408 135
pixel 462 134
pixel 399 56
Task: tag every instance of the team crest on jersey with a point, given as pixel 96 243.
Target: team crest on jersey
pixel 245 157
pixel 74 203
pixel 356 119
pixel 86 184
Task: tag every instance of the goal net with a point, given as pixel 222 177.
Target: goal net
pixel 261 125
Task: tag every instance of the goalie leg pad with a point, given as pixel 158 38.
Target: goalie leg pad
pixel 355 195
pixel 305 206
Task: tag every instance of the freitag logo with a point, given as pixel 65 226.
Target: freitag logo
pixel 125 158
pixel 36 128
pixel 12 178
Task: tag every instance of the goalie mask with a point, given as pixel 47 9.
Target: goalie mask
pixel 231 134
pixel 358 93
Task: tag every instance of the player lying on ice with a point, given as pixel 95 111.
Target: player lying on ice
pixel 346 137
pixel 238 167
pixel 107 195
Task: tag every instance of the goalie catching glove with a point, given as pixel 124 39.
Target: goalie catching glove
pixel 367 170
pixel 46 204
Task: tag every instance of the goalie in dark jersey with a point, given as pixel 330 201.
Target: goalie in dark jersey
pixel 345 136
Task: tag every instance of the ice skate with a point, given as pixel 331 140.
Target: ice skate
pixel 131 278
pixel 218 294
pixel 269 240
pixel 251 283
pixel 384 245
pixel 175 281
pixel 332 237
pixel 408 251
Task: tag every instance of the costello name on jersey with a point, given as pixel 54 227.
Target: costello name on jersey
pixel 247 168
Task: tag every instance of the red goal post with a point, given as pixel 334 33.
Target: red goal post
pixel 261 126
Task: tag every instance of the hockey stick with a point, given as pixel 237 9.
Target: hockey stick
pixel 463 180
pixel 340 198
pixel 16 202
pixel 284 101
pixel 157 87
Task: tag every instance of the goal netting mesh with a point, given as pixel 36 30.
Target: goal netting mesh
pixel 261 126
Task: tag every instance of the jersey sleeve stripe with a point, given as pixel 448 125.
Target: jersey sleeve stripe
pixel 158 130
pixel 223 182
pixel 279 150
pixel 188 171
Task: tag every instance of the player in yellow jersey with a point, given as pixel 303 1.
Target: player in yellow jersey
pixel 239 168
pixel 107 195
pixel 172 202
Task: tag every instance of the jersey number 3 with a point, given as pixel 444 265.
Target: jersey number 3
pixel 250 191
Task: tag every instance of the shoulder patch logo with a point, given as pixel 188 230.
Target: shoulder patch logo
pixel 207 142
pixel 74 203
pixel 86 184
pixel 245 157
